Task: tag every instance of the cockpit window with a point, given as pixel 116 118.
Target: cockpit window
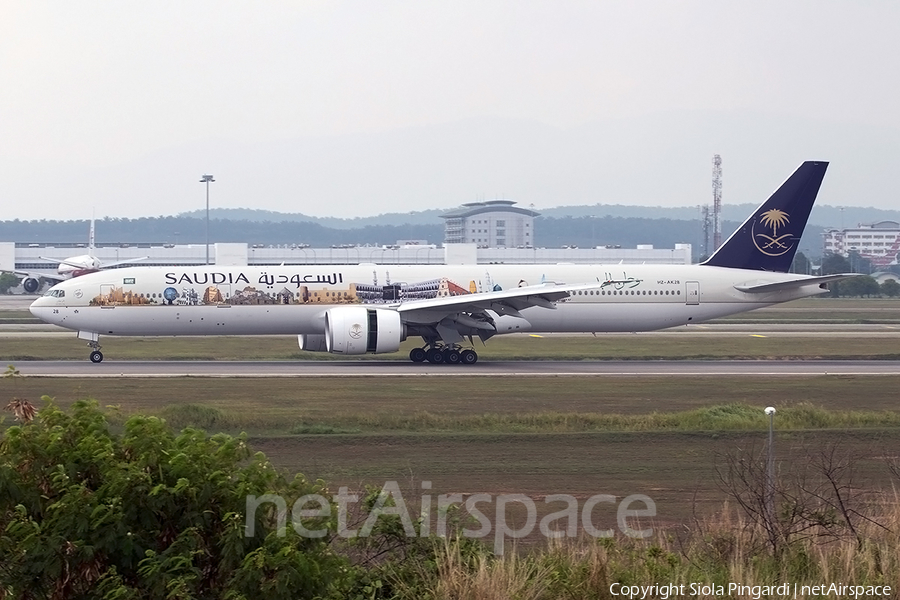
pixel 56 293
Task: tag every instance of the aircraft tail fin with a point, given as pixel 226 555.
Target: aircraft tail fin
pixel 768 239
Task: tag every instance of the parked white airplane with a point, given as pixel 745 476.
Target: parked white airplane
pixel 73 266
pixel 372 308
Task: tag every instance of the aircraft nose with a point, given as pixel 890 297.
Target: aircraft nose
pixel 39 308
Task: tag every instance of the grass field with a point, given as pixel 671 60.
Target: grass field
pixel 652 435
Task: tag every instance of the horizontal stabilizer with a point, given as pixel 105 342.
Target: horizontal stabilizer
pixel 780 286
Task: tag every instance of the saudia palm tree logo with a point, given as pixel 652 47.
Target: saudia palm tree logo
pixel 775 244
pixel 356 331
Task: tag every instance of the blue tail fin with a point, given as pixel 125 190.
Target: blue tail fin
pixel 768 239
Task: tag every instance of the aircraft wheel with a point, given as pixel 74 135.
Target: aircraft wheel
pixel 417 355
pixel 451 357
pixel 434 356
pixel 468 357
pixel 96 356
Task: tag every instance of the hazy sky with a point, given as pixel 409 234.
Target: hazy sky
pixel 357 108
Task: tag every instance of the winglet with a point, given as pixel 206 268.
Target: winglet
pixel 768 239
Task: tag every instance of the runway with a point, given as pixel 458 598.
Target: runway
pixel 403 368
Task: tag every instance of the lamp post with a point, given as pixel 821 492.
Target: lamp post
pixel 207 179
pixel 770 468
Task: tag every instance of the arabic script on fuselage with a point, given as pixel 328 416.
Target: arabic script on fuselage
pixel 624 282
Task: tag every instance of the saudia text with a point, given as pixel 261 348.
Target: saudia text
pixel 264 278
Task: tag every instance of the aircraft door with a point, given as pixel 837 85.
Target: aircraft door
pixel 692 292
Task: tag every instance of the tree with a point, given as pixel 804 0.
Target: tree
pixel 7 282
pixel 835 263
pixel 86 513
pixel 864 285
pixel 890 288
pixel 814 495
pixel 801 264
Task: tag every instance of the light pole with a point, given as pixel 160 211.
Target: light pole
pixel 207 179
pixel 770 468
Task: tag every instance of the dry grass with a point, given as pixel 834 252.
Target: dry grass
pixel 717 552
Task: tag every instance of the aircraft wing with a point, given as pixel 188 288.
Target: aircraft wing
pixel 38 275
pixel 759 287
pixel 129 261
pixel 515 298
pixel 452 318
pixel 63 261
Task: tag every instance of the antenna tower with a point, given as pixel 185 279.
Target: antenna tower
pixel 704 221
pixel 717 201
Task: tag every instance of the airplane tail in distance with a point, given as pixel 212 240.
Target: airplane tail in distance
pixel 768 239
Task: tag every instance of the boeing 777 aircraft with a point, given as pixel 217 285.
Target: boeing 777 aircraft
pixel 73 266
pixel 358 309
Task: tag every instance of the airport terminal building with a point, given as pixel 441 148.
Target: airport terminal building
pixel 878 242
pixel 490 224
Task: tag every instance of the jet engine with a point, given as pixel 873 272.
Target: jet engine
pixel 358 330
pixel 312 342
pixel 31 285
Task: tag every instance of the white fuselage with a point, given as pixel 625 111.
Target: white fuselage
pixel 292 299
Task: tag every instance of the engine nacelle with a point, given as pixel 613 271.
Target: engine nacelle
pixel 358 330
pixel 312 342
pixel 31 285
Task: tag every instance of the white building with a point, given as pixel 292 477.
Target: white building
pixel 490 224
pixel 878 242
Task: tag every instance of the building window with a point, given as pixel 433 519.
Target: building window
pixel 501 223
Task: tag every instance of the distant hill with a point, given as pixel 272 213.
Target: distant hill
pixel 550 232
pixel 822 215
pixel 426 217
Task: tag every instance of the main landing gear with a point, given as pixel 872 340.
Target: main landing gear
pixel 451 355
pixel 96 355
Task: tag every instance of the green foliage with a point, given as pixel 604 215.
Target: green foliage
pixel 890 288
pixel 835 263
pixel 11 372
pixel 800 264
pixel 726 417
pixel 86 513
pixel 7 282
pixel 863 285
